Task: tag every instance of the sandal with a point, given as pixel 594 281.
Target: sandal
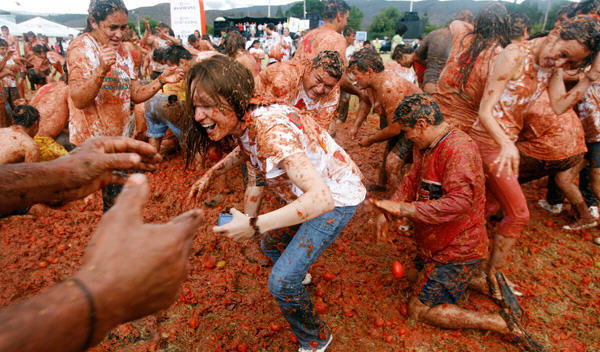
pixel 519 333
pixel 509 300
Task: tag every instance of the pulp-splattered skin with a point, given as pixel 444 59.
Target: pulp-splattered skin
pixel 317 40
pixel 246 59
pixel 109 112
pixel 17 146
pixel 434 51
pixel 402 71
pixel 461 108
pixel 52 103
pixel 282 83
pixel 589 113
pixel 518 95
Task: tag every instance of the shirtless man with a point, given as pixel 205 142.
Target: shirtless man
pixel 8 71
pixel 385 89
pixel 12 41
pixel 17 140
pixel 328 36
pixel 433 52
pixel 307 87
pixel 161 40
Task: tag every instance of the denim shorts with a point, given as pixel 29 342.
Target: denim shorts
pixel 443 283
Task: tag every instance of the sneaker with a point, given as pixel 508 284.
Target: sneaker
pixel 322 349
pixel 580 225
pixel 554 209
pixel 594 211
pixel 307 279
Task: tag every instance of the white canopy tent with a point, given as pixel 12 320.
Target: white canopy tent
pixel 43 26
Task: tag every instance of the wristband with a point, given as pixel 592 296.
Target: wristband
pixel 90 299
pixel 253 224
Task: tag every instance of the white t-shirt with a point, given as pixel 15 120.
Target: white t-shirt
pixel 287 52
pixel 279 131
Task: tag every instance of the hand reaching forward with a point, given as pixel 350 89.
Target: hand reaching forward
pixel 134 269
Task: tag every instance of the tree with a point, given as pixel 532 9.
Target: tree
pixel 279 12
pixel 384 23
pixel 297 10
pixel 355 18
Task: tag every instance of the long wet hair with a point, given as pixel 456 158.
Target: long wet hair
pixel 585 29
pixel 100 9
pixel 233 43
pixel 220 77
pixel 491 27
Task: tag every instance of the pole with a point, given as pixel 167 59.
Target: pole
pixel 269 11
pixel 304 9
pixel 411 6
pixel 546 15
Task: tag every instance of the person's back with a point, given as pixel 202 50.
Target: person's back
pixel 17 140
pixel 434 51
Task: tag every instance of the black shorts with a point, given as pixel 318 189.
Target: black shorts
pixel 531 168
pixel 593 155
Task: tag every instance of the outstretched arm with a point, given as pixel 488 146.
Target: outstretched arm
pixel 130 269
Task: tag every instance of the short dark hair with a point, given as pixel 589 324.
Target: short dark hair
pixel 192 39
pixel 333 7
pixel 36 76
pixel 416 107
pixel 4 27
pixel 158 55
pixel 365 59
pixel 271 26
pixel 3 42
pixel 402 49
pixel 175 53
pixel 348 31
pixel 401 28
pixel 25 115
pixel 40 49
pixel 162 25
pixel 331 61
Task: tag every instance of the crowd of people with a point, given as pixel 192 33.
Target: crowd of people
pixel 479 108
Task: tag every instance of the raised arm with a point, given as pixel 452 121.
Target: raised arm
pixel 140 93
pixel 560 99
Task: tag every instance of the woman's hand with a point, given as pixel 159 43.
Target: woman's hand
pixel 172 74
pixel 509 159
pixel 108 57
pixel 238 229
pixel 201 185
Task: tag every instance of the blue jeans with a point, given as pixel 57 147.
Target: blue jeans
pixel 290 266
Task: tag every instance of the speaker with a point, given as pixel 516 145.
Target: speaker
pixel 415 26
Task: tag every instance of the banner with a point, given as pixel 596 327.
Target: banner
pixel 186 17
pixel 297 25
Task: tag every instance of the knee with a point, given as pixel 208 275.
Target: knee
pixel 277 285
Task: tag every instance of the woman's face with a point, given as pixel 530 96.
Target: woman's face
pixel 559 52
pixel 217 118
pixel 111 30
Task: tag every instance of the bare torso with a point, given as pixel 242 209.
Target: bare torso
pixel 17 146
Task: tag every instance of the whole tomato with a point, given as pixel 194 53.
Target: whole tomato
pixel 397 270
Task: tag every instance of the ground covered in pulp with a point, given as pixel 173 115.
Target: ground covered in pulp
pixel 224 305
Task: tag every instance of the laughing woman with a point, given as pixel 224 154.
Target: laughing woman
pixel 300 161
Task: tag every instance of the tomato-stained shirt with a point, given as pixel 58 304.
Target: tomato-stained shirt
pixel 589 113
pixel 108 114
pixel 277 132
pixel 446 184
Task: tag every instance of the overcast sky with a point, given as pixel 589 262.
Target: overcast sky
pixel 80 6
